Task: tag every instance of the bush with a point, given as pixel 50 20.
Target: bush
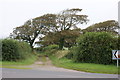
pixel 71 52
pixel 95 48
pixel 39 49
pixel 50 47
pixel 13 50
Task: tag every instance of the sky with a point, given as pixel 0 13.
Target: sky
pixel 14 13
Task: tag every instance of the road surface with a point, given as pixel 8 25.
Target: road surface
pixel 47 70
pixel 30 73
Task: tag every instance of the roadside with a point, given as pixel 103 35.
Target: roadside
pixel 86 67
pixel 63 64
pixel 43 68
pixel 44 63
pixel 18 64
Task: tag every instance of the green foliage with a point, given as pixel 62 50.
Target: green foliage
pixel 61 53
pixel 71 52
pixel 13 50
pixel 39 49
pixel 28 32
pixel 29 60
pixel 95 48
pixel 62 23
pixel 49 50
pixel 106 26
pixel 86 67
pixel 66 38
pixel 50 47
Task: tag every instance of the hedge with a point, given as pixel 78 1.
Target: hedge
pixel 13 50
pixel 95 47
pixel 0 49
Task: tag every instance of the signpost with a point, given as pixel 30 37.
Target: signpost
pixel 116 56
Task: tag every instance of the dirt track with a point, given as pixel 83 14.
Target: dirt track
pixel 47 65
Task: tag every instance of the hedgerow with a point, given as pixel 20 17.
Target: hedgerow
pixel 95 47
pixel 13 50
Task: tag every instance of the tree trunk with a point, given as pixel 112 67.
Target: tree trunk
pixel 61 44
pixel 31 45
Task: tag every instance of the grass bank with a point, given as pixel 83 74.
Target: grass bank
pixel 87 67
pixel 14 67
pixel 18 64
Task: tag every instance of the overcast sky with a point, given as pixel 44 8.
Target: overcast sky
pixel 14 13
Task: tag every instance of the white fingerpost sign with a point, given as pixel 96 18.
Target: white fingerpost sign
pixel 116 56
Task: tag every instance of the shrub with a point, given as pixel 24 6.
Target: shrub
pixel 39 49
pixel 71 52
pixel 50 47
pixel 95 47
pixel 13 50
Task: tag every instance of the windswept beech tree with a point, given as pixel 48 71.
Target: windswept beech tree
pixel 28 32
pixel 66 20
pixel 69 19
pixel 33 28
pixel 106 26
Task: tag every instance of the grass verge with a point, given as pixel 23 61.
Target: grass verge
pixel 86 67
pixel 14 67
pixel 17 65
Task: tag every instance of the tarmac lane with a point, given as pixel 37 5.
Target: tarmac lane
pixel 31 73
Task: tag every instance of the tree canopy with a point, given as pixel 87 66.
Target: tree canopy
pixel 54 37
pixel 61 29
pixel 66 20
pixel 59 25
pixel 70 18
pixel 28 32
pixel 106 26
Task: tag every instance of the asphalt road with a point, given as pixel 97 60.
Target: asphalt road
pixel 31 73
pixel 46 70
